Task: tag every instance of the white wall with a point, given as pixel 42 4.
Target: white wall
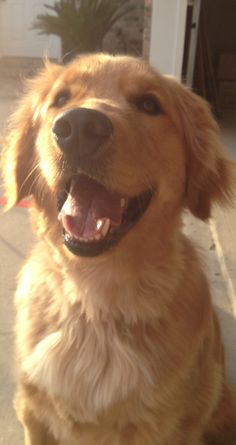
pixel 16 33
pixel 167 35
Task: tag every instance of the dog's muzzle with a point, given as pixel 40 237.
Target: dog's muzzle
pixel 93 218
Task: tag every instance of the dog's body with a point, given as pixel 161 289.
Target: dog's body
pixel 117 340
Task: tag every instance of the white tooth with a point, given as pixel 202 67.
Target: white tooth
pixel 66 209
pixel 99 224
pixel 85 240
pixel 98 236
pixel 105 227
pixel 122 202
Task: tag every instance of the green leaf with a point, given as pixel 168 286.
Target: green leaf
pixel 81 24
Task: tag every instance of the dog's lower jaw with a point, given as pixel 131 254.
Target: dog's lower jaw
pixel 112 285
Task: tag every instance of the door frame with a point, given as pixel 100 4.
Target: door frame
pixel 193 42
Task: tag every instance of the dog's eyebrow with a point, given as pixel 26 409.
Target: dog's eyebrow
pixel 146 89
pixel 140 85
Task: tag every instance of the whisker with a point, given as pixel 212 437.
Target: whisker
pixel 28 176
pixel 33 183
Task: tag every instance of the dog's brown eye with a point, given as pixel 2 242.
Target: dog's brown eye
pixel 148 104
pixel 61 98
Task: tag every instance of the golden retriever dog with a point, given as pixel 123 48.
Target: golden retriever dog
pixel 117 341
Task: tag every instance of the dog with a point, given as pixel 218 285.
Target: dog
pixel 117 341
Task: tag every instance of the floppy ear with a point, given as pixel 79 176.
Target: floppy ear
pixel 210 176
pixel 19 163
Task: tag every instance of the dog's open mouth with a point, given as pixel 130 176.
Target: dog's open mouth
pixel 94 218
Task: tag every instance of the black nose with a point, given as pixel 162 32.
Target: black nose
pixel 81 130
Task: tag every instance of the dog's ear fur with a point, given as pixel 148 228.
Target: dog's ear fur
pixel 210 176
pixel 19 162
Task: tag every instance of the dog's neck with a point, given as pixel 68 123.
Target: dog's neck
pixel 123 284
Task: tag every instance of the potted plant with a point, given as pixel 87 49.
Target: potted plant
pixel 81 24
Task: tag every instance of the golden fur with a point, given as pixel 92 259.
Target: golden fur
pixel 122 348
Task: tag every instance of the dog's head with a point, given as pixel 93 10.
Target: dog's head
pixel 106 146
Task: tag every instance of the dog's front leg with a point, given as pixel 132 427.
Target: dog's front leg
pixel 34 431
pixel 36 434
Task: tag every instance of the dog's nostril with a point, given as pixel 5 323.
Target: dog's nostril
pixel 62 128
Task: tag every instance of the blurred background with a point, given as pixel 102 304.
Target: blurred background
pixel 194 40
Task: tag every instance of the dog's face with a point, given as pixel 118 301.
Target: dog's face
pixel 106 145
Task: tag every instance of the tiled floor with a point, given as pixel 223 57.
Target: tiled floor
pixel 217 242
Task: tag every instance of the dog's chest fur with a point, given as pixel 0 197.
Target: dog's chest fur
pixel 89 367
pixel 90 364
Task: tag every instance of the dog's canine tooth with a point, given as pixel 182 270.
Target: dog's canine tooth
pixel 105 227
pixel 99 223
pixel 98 236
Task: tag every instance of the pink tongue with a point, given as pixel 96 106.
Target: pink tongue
pixel 86 204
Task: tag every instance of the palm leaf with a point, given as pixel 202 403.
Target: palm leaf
pixel 81 24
